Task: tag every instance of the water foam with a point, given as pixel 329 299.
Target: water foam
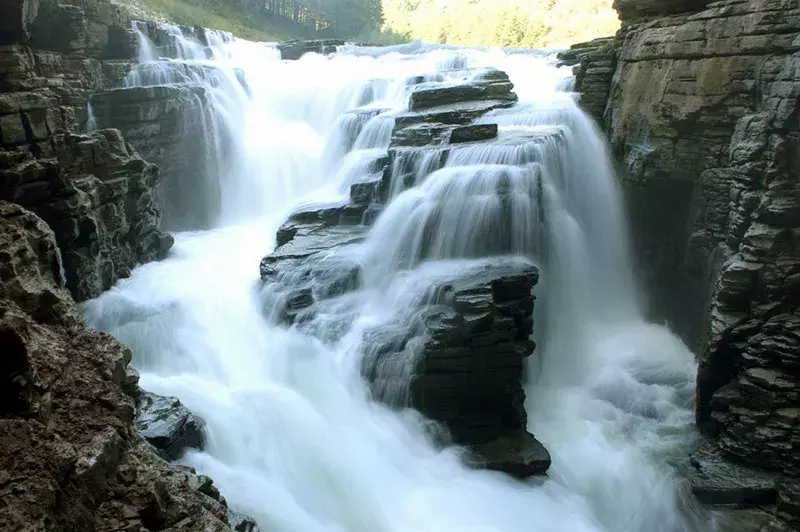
pixel 294 439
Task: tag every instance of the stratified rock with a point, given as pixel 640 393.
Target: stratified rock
pixel 594 65
pixel 167 124
pixel 168 425
pixel 96 194
pixel 492 85
pixel 70 458
pixel 718 482
pixel 459 360
pixel 297 49
pixel 638 10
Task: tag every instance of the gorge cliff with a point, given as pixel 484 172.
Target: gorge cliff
pixel 700 103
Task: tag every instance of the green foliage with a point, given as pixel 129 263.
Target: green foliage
pixel 221 15
pixel 510 23
pixel 274 19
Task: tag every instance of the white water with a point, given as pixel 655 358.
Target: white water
pixel 294 440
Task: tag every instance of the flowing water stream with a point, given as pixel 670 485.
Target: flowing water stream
pixel 293 437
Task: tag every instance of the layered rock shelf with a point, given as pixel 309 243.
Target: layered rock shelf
pixel 456 357
pixel 94 190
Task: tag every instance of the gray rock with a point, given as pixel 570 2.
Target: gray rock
pixel 718 481
pixel 168 425
pixel 242 523
pixel 296 49
pixel 519 455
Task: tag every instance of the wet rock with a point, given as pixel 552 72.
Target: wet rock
pixel 457 113
pixel 717 481
pixel 166 124
pixel 495 86
pixel 241 523
pixel 168 425
pixel 458 359
pixel 297 49
pixel 436 134
pixel 594 65
pixel 519 455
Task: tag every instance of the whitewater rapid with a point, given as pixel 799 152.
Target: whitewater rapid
pixel 293 437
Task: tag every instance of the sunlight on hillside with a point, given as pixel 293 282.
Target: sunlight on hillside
pixel 511 23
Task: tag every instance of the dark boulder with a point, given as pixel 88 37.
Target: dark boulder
pixel 296 49
pixel 168 425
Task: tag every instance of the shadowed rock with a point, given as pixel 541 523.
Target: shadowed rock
pixel 168 425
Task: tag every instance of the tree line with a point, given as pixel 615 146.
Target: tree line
pixel 509 23
pixel 341 18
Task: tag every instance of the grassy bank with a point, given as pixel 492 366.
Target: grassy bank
pixel 213 14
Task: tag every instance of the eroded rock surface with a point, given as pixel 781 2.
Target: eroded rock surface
pixel 94 190
pixel 70 458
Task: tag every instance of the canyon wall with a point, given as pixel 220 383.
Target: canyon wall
pixel 702 115
pixel 94 190
pixel 77 213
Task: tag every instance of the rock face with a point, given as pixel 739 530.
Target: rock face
pixel 593 64
pixel 168 125
pixel 70 458
pixel 703 116
pixel 458 359
pixel 94 190
pixel 456 352
pixel 297 49
pixel 167 425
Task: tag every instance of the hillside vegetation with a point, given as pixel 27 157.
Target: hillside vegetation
pixel 510 23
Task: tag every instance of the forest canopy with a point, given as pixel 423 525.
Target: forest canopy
pixel 510 23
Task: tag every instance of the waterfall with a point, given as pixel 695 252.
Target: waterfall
pixel 294 437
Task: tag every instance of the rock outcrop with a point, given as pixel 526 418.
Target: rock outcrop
pixel 455 353
pixel 703 117
pixel 296 49
pixel 70 458
pixel 594 64
pixel 94 190
pixel 167 425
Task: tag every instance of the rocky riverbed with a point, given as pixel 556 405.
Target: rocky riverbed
pixel 699 103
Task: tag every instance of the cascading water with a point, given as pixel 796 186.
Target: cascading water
pixel 293 437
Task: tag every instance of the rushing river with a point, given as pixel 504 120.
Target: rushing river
pixel 293 438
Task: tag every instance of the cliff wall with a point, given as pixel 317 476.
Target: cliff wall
pixel 94 191
pixel 703 118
